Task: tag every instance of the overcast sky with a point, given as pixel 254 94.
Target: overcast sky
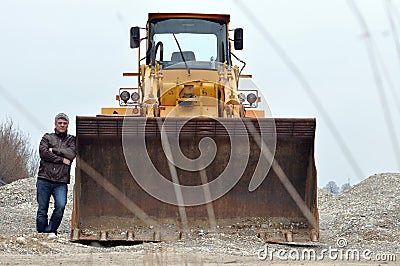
pixel 68 56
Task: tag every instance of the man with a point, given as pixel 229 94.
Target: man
pixel 57 151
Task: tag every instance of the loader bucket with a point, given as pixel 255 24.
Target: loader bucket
pixel 124 193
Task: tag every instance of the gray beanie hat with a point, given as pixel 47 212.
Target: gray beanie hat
pixel 61 116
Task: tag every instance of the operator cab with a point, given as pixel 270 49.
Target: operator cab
pixel 187 42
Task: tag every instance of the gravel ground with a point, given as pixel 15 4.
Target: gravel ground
pixel 366 217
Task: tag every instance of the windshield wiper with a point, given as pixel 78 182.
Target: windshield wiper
pixel 180 50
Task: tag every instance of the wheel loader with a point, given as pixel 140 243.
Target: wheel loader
pixel 192 148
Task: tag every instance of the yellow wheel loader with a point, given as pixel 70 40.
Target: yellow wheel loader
pixel 192 148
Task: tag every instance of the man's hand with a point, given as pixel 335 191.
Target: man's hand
pixel 66 161
pixel 50 149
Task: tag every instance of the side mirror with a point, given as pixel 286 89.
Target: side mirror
pixel 238 39
pixel 135 37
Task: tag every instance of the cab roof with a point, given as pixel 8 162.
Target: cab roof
pixel 158 16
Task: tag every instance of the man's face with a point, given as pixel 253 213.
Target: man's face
pixel 61 125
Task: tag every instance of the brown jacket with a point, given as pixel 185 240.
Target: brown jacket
pixel 51 163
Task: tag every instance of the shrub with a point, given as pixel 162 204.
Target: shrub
pixel 18 159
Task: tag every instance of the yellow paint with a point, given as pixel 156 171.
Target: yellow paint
pixel 207 92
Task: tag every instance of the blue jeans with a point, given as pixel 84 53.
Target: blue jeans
pixel 45 189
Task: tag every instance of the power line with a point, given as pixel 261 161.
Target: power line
pixel 389 82
pixel 389 7
pixel 395 11
pixel 378 81
pixel 23 110
pixel 305 86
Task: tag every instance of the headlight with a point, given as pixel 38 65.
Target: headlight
pixel 135 96
pixel 251 98
pixel 242 97
pixel 124 96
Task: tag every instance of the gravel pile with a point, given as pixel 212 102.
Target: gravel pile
pixel 18 208
pixel 367 216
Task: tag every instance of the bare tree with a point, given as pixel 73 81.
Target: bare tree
pixel 345 187
pixel 18 159
pixel 332 187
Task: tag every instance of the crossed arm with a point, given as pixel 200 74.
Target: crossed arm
pixel 57 155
